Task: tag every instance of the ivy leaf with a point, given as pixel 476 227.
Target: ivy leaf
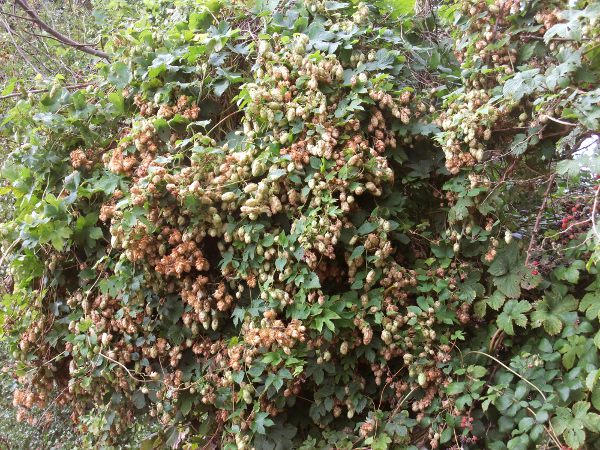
pixel 527 51
pixel 460 210
pixel 513 312
pixel 57 235
pixel 279 437
pixel 160 64
pixel 107 183
pixel 199 21
pixel 348 104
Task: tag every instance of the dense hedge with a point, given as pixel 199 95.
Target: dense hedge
pixel 317 225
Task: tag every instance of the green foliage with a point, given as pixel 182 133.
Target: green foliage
pixel 315 226
pixel 572 423
pixel 30 57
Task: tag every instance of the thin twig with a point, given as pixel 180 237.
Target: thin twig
pixel 510 370
pixel 139 380
pixel 18 47
pixel 54 39
pixel 17 16
pixel 594 212
pixel 562 122
pixel 39 91
pixel 222 120
pixel 538 219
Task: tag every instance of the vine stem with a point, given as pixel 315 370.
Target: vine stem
pixel 509 369
pixel 8 250
pixel 139 380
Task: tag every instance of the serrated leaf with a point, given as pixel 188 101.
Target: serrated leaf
pixel 519 144
pixel 513 312
pixel 523 83
pixel 550 312
pixel 138 399
pixel 261 422
pixel 508 271
pixel 595 397
pixel 116 98
pixel 312 282
pixel 119 75
pixel 381 442
pixel 326 319
pixel 590 303
pixel 496 300
pixel 597 339
pixel 455 388
pixel 574 348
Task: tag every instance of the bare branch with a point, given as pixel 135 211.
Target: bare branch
pixel 536 227
pixel 17 16
pixel 59 36
pixel 54 38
